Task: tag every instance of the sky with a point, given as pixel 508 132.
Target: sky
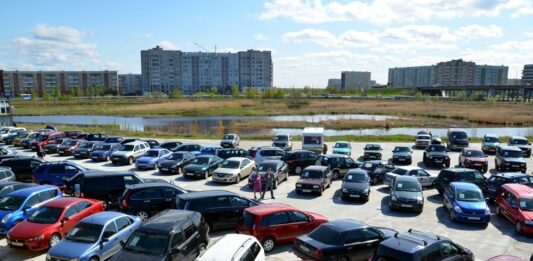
pixel 311 40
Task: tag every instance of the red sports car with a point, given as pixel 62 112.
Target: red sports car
pixel 51 222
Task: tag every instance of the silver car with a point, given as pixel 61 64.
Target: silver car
pixel 230 140
pixel 233 170
pixel 425 179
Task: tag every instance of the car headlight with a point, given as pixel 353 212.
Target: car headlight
pixel 366 191
pixel 298 185
pixel 344 190
pixel 48 257
pixel 419 199
pixel 315 186
pixel 394 198
pixel 487 211
pixel 458 209
pixel 74 259
pixel 528 222
pixel 37 238
pixel 430 156
pixel 6 218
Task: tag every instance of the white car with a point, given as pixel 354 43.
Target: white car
pixel 268 153
pixel 234 247
pixel 425 179
pixel 422 140
pixel 282 141
pixel 232 170
pixel 128 153
pixel 6 131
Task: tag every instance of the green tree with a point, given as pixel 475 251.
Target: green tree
pixel 251 93
pixel 34 95
pixel 269 93
pixel 175 94
pixel 280 94
pixel 46 96
pixel 235 92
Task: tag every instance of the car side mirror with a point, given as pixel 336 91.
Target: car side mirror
pixel 105 239
pixel 175 250
pixel 122 243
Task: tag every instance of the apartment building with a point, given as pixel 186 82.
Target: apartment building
pixel 129 84
pixel 351 80
pixel 527 74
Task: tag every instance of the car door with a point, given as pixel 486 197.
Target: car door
pixel 189 248
pixel 353 245
pixel 493 184
pixel 238 204
pixel 448 252
pixel 299 224
pixel 176 249
pixel 153 200
pixel 169 197
pixel 109 243
pixel 246 168
pixel 371 240
pixel 512 211
pixel 223 214
pixel 70 219
pixel 424 178
pixel 448 198
pixel 31 204
pixel 279 226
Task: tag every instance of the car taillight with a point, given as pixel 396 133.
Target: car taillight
pixel 290 161
pixel 319 254
pixel 125 200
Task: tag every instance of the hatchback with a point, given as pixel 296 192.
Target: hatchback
pixel 515 202
pixel 266 153
pixel 53 173
pixel 466 203
pixel 406 193
pixel 7 187
pixel 356 185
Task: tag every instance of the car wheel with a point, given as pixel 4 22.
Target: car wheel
pixel 130 160
pixel 143 215
pixel 268 244
pixel 298 170
pixel 336 174
pixel 238 179
pixel 344 259
pixel 518 227
pixel 206 174
pixel 276 182
pixel 54 239
pixel 498 212
pixel 202 248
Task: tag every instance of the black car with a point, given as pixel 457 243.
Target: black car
pixel 113 139
pixel 147 199
pixel 221 209
pixel 53 147
pixel 298 160
pixel 509 158
pixel 96 137
pixel 522 143
pixel 356 185
pixel 338 164
pixel 152 143
pixel 171 145
pixel 372 151
pixel 175 163
pixel 279 170
pixel 202 166
pixel 233 152
pixel 101 185
pixel 84 150
pixel 23 167
pixel 416 245
pixel 12 156
pixel 10 186
pixel 172 235
pixel 457 139
pixel 436 155
pixel 495 181
pixel 344 239
pixel 459 174
pixel 406 193
pixel 376 170
pixel 401 155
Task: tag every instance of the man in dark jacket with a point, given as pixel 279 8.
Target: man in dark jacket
pixel 269 184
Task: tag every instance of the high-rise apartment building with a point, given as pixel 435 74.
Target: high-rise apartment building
pixel 455 73
pixel 487 75
pixel 351 80
pixel 334 82
pixel 527 74
pixel 129 84
pixel 412 76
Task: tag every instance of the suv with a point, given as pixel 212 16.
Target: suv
pixel 473 159
pixel 458 174
pixel 417 245
pixel 495 182
pixel 282 141
pixel 221 209
pixel 23 167
pixel 170 235
pixel 314 179
pixel 147 199
pixel 129 152
pixel 337 164
pixel 299 159
pixel 457 139
pixel 240 247
pixel 489 143
pixel 436 155
pixel 406 193
pixel 372 151
pixel 53 173
pixel 274 224
pixel 515 202
pixel 230 141
pixel 522 143
pixel 510 159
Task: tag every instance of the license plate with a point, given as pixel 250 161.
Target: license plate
pixel 474 218
pixel 477 164
pixel 189 174
pixel 17 244
pixel 515 166
pixel 354 196
pixel 304 248
pixel 406 206
pixel 438 160
pixel 164 169
pixel 401 159
pixel 306 190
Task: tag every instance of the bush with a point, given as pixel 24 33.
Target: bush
pixel 175 94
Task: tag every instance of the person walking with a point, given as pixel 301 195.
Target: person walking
pixel 257 185
pixel 269 184
pixel 40 151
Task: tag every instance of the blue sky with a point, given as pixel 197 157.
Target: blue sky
pixel 310 40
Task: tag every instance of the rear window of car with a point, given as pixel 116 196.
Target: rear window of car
pixel 385 253
pixel 326 235
pixel 399 171
pixel 103 184
pixel 248 219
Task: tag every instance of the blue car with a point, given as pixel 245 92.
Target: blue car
pixel 96 237
pixel 103 152
pixel 18 205
pixel 210 150
pixel 191 147
pixel 52 173
pixel 465 203
pixel 150 158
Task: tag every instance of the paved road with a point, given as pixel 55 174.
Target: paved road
pixel 498 238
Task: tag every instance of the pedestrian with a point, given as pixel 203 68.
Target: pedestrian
pixel 269 184
pixel 257 185
pixel 40 151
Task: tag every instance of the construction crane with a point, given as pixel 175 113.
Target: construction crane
pixel 203 48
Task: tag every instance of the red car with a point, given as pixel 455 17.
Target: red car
pixel 51 222
pixel 45 139
pixel 515 202
pixel 473 159
pixel 274 224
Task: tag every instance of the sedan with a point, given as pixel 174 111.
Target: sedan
pixel 103 151
pixel 202 166
pixel 175 162
pixel 314 179
pixel 279 170
pixel 342 147
pixel 473 159
pixel 356 185
pixel 401 155
pixel 150 158
pixel 372 151
pixel 233 170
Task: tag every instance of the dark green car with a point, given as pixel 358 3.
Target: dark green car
pixel 202 166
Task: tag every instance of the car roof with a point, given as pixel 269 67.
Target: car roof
pixel 63 202
pixel 266 209
pixel 518 138
pixel 513 148
pixel 135 142
pixel 298 151
pixel 212 146
pixel 458 170
pixel 408 168
pixel 521 189
pixel 237 158
pixel 101 218
pixel 341 141
pixel 270 162
pixel 206 193
pixel 169 220
pixel 357 171
pixel 228 247
pixel 473 149
pixel 492 136
pixel 150 185
pixel 316 167
pixel 344 224
pixel 465 185
pixel 457 130
pixel 30 190
pixel 510 175
pixel 412 240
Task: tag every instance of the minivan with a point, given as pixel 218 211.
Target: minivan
pixel 457 139
pixel 515 202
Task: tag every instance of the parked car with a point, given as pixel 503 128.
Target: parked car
pixel 509 158
pixel 436 155
pixel 51 222
pixel 17 141
pixel 84 150
pixel 7 187
pixel 458 174
pixel 495 181
pixel 151 157
pixel 233 170
pixel 8 140
pixel 171 145
pixel 153 143
pixel 102 152
pixel 147 199
pixel 72 134
pixel 96 137
pixel 221 209
pixel 425 179
pixel 202 166
pixel 473 159
pixel 342 147
pixel 191 147
pixel 23 167
pixel 53 147
pixel 522 143
pixel 417 245
pixel 230 140
pixel 45 139
pixel 298 160
pixel 279 170
pixel 241 247
pixel 277 224
pixel 175 162
pixel 6 175
pixel 6 131
pixel 172 235
pixel 489 143
pixel 268 153
pixel 5 150
pixel 372 151
pixel 282 141
pixel 356 185
pixel 343 239
pixel 337 164
pixel 68 146
pixel 422 141
pixel 26 143
pixel 96 237
pixel 18 205
pixel 113 139
pixel 406 193
pixel 210 150
pixel 376 170
pixel 515 202
pixel 227 153
pixel 457 139
pixel 314 179
pixel 402 155
pixel 53 173
pixel 465 202
pixel 129 152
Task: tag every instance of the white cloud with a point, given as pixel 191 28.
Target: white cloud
pixel 260 37
pixel 479 31
pixel 528 34
pixel 168 45
pixel 420 33
pixel 320 37
pixel 358 39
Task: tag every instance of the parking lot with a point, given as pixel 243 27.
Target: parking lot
pixel 497 239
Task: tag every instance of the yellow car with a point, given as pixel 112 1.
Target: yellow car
pixel 17 142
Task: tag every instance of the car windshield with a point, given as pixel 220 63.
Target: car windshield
pixel 312 174
pixel 112 140
pixel 325 234
pixel 103 147
pixel 526 204
pixel 269 153
pixel 230 164
pixel 42 138
pixel 4 131
pixel 469 195
pixel 85 232
pixel 356 178
pixel 401 149
pixel 341 145
pixel 11 202
pixel 228 137
pixel 372 147
pixel 46 215
pixel 368 166
pixel 437 148
pixel 459 135
pixel 281 138
pixel 69 142
pixel 176 156
pixel 399 171
pixel 152 153
pixel 475 153
pixel 127 148
pixel 201 161
pixel 512 154
pixel 266 166
pixel 519 142
pixel 423 137
pixel 87 145
pixel 22 135
pixel 491 139
pixel 147 243
pixel 408 186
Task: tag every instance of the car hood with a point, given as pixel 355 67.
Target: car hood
pixel 226 141
pixel 491 144
pixel 517 160
pixel 341 149
pixel 355 186
pixel 401 154
pixel 194 167
pixel 317 217
pixel 309 181
pixel 168 163
pixel 81 150
pixel 127 255
pixel 437 153
pixel 120 153
pixel 4 213
pixel 27 229
pixel 472 205
pixel 70 249
pixel 146 159
pixel 100 152
pixel 227 171
pixel 407 194
pixel 62 147
pixel 478 159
